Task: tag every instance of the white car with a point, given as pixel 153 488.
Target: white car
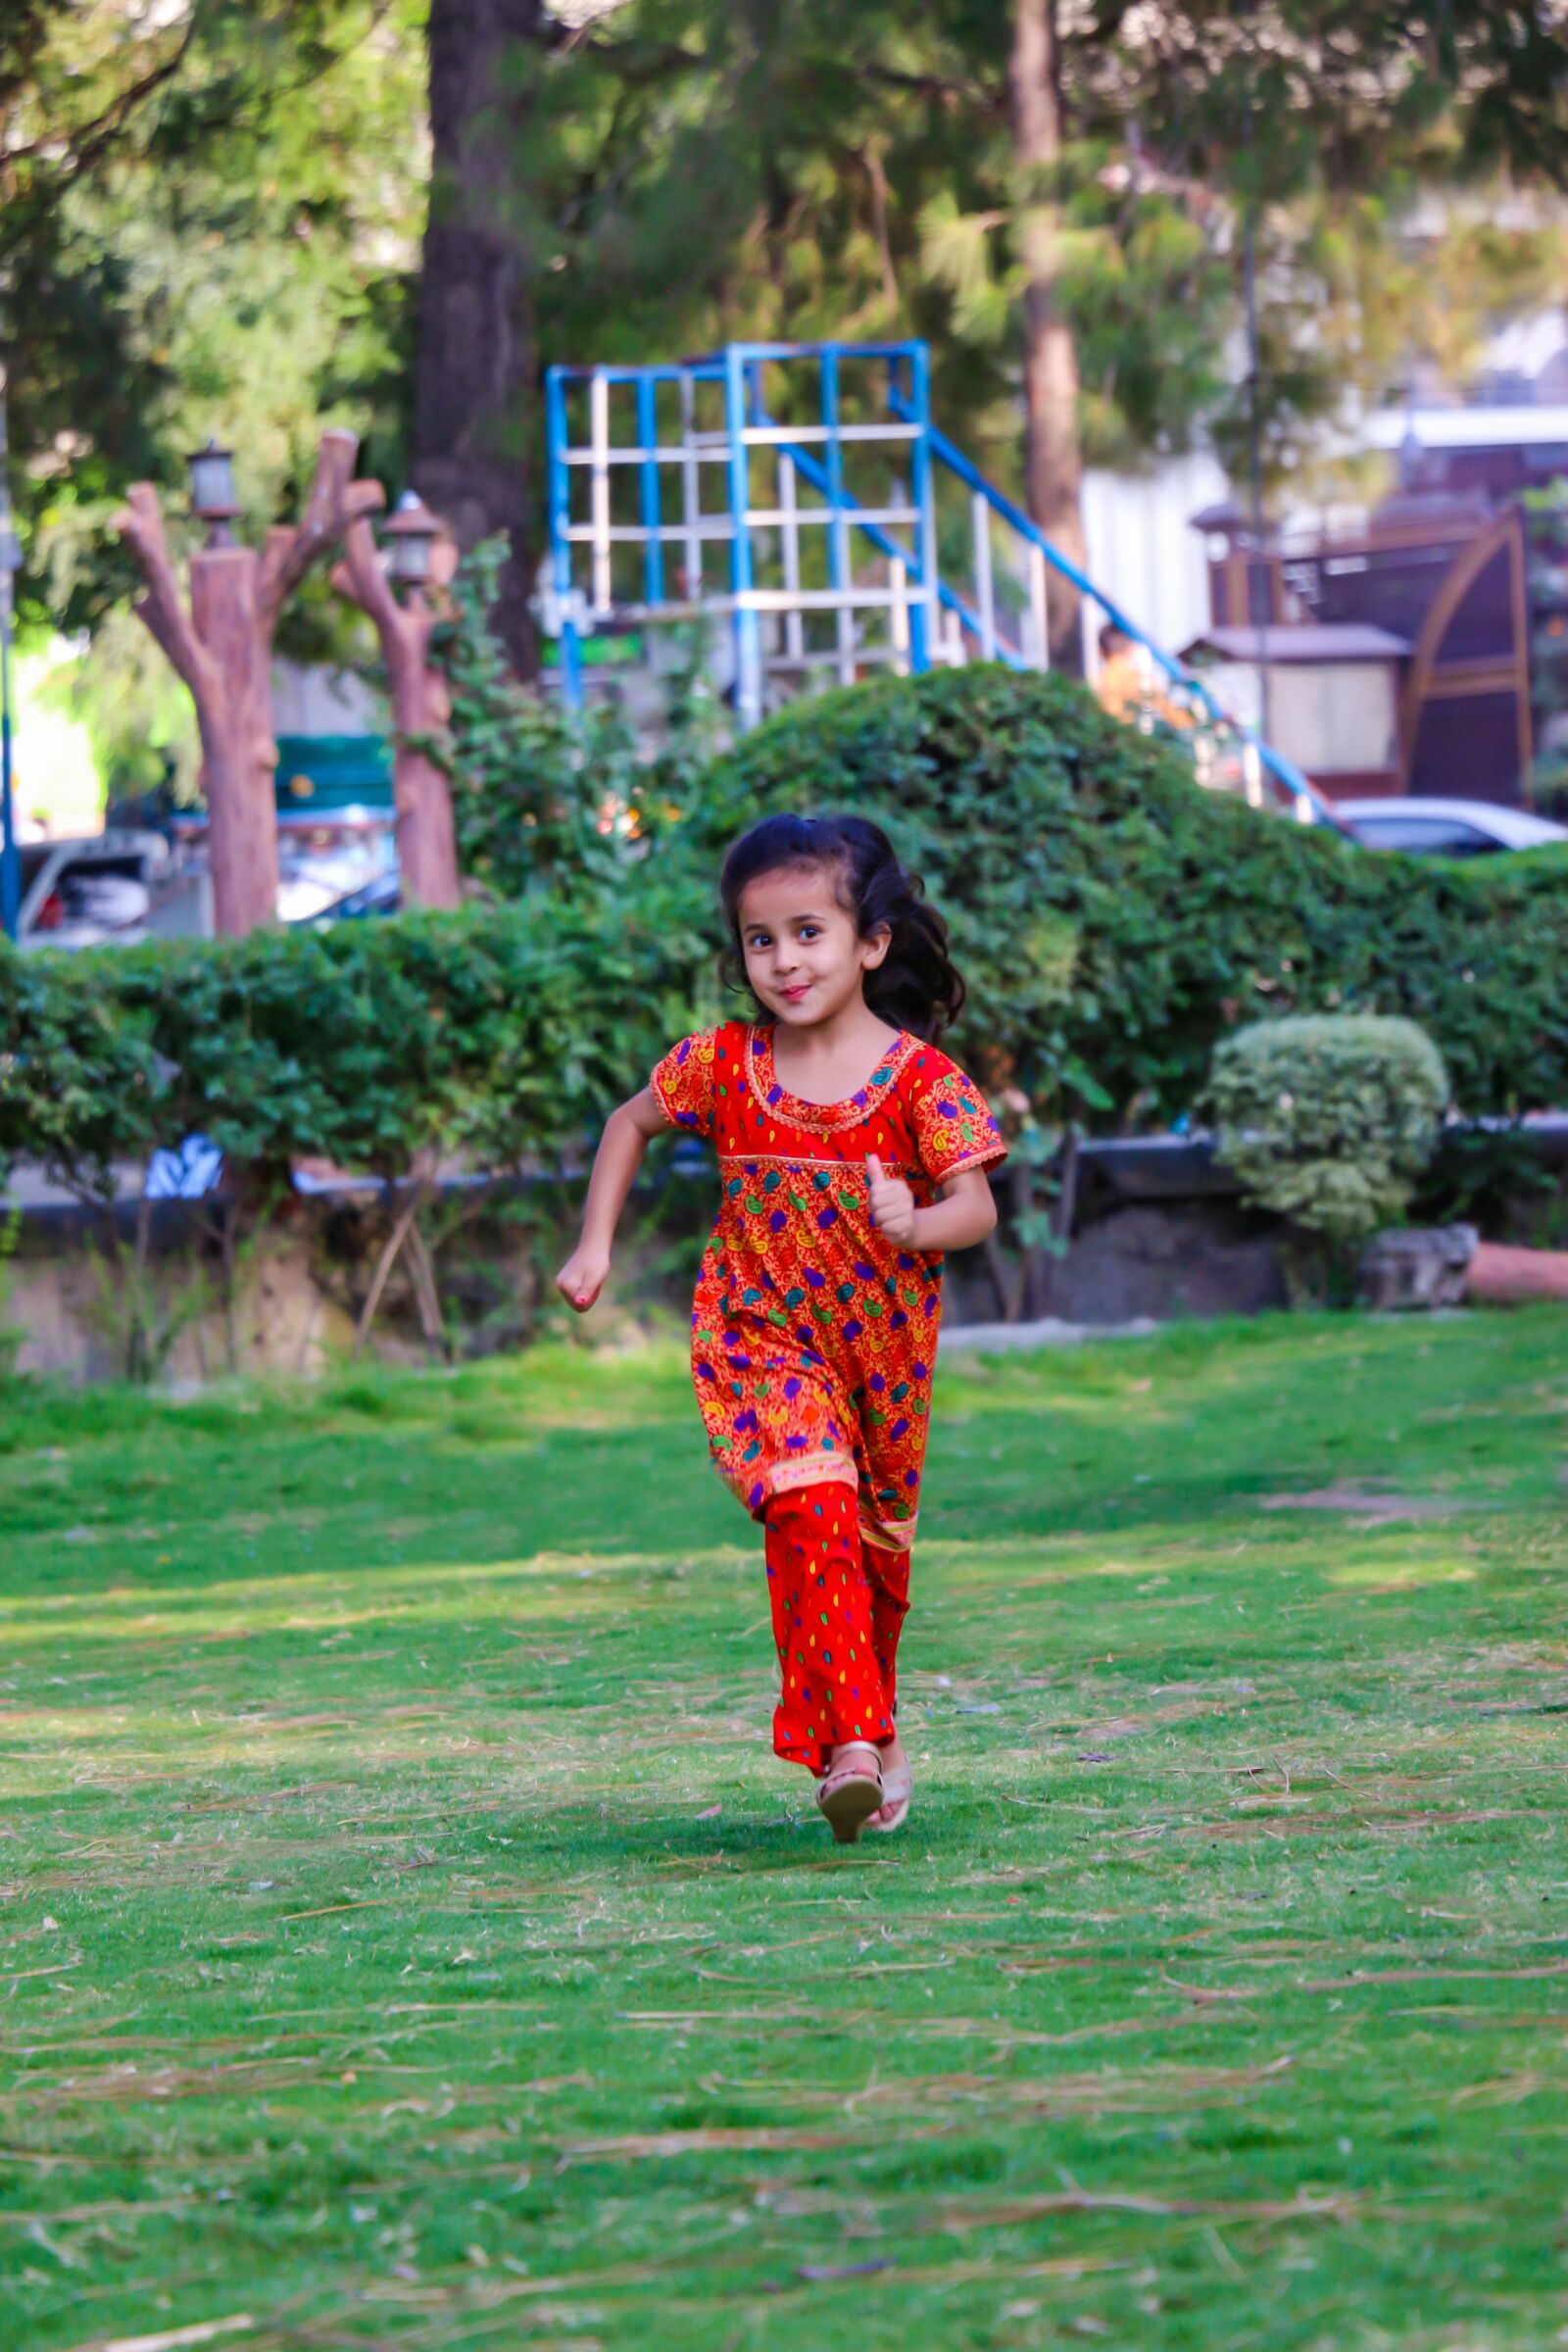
pixel 1447 828
pixel 82 893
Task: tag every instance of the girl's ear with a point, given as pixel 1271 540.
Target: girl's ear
pixel 874 946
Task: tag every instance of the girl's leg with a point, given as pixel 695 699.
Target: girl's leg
pixel 822 1603
pixel 887 1572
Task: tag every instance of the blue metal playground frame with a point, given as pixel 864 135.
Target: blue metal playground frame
pixel 817 452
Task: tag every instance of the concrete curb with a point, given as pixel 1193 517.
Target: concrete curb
pixel 1000 1338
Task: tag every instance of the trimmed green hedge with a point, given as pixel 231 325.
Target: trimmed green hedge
pixel 1114 923
pixel 499 1032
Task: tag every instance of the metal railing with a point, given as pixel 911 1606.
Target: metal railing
pixel 791 565
pixel 1026 650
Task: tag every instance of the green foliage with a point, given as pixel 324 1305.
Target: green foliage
pixel 1330 1118
pixel 887 199
pixel 889 196
pixel 539 793
pixel 1114 923
pixel 543 795
pixel 209 222
pixel 136 1318
pixel 209 216
pixel 78 1089
pixel 1378 228
pixel 511 757
pixel 10 1336
pixel 502 1032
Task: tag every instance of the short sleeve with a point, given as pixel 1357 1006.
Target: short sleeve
pixel 952 1127
pixel 683 1083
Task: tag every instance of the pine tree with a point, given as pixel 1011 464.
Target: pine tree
pixel 476 356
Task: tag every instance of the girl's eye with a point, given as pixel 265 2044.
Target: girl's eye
pixel 808 930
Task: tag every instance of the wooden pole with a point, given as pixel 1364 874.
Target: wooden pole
pixel 222 647
pixel 426 835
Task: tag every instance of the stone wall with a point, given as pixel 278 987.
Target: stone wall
pixel 182 1293
pixel 172 1293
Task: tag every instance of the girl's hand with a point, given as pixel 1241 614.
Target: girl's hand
pixel 582 1278
pixel 892 1202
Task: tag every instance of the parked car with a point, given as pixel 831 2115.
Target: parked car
pixel 1447 828
pixel 81 893
pixel 383 895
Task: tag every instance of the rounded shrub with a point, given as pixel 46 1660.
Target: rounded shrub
pixel 1329 1120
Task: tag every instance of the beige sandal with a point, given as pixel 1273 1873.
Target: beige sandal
pixel 846 1796
pixel 898 1786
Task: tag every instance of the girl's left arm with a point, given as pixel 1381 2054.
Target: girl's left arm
pixel 962 1214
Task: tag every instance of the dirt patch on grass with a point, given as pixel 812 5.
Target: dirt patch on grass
pixel 1368 1501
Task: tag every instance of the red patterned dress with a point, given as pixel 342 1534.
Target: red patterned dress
pixel 813 1338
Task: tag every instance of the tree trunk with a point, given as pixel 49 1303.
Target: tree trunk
pixel 427 842
pixel 475 404
pixel 222 647
pixel 239 756
pixel 421 702
pixel 427 836
pixel 1054 461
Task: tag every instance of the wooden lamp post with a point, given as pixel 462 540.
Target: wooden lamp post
pixel 223 649
pixel 418 552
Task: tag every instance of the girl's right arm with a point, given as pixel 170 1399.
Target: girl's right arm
pixel 628 1131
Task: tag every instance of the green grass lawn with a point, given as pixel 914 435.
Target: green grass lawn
pixel 408 1938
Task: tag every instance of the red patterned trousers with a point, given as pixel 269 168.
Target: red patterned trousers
pixel 838 1606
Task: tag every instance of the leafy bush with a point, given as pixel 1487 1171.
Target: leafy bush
pixel 10 1336
pixel 1328 1120
pixel 527 775
pixel 1114 923
pixel 501 1031
pixel 540 794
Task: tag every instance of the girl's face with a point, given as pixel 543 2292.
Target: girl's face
pixel 804 959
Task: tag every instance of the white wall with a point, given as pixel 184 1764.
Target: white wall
pixel 324 702
pixel 1143 550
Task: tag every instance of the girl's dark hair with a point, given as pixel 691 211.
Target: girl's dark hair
pixel 917 984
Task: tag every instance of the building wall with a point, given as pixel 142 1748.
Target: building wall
pixel 1144 551
pixel 317 700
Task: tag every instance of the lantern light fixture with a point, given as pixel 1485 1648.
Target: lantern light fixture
pixel 411 537
pixel 212 490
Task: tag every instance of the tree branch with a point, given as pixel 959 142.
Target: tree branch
pixel 335 501
pixel 641 64
pixel 989 103
pixel 870 161
pixel 140 526
pixel 84 146
pixel 361 579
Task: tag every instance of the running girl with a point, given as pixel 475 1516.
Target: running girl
pixel 853 1154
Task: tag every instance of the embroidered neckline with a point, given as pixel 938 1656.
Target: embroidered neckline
pixel 820 1118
